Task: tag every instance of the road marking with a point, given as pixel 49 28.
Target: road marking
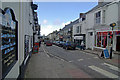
pixel 90 54
pixel 112 67
pixel 45 52
pixel 96 57
pixel 104 72
pixel 80 59
pixel 70 61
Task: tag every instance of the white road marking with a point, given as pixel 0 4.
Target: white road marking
pixel 89 58
pixel 70 61
pixel 103 72
pixel 45 52
pixel 96 57
pixel 80 59
pixel 112 67
pixel 90 54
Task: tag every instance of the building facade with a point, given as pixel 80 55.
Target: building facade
pixel 98 31
pixel 104 16
pixel 18 18
pixel 79 30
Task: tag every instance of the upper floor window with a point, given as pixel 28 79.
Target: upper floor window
pixel 77 29
pixel 98 17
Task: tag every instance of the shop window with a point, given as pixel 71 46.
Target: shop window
pixel 104 39
pixel 101 39
pixel 8 37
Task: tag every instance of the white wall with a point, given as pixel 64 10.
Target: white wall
pixel 111 14
pixel 89 28
pixel 83 27
pixel 89 20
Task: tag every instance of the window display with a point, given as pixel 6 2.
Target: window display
pixel 8 37
pixel 101 39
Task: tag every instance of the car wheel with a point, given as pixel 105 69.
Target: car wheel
pixel 67 48
pixel 74 48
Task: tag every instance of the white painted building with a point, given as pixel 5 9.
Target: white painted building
pixel 79 31
pixel 98 22
pixel 24 15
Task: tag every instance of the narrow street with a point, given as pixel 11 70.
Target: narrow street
pixel 56 62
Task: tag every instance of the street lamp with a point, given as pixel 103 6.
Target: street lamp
pixel 112 25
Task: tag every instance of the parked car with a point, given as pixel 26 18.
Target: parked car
pixel 69 45
pixel 57 43
pixel 61 43
pixel 54 42
pixel 48 43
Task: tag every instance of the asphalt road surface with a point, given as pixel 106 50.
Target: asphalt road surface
pixel 89 63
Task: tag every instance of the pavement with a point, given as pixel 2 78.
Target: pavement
pixel 115 58
pixel 42 65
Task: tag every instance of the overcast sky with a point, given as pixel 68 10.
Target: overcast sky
pixel 54 15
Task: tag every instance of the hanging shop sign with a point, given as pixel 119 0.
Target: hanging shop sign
pixel 8 35
pixel 36 48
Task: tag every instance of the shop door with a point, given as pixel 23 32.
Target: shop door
pixel 118 43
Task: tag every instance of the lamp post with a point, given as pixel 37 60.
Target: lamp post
pixel 112 25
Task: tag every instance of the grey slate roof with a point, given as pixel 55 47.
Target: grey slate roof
pixel 71 24
pixel 98 6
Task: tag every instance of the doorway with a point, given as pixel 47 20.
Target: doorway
pixel 118 44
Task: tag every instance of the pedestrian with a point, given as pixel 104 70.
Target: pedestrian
pixel 82 46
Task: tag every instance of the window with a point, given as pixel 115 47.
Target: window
pixel 77 29
pixel 80 29
pixel 91 33
pixel 101 39
pixel 103 16
pixel 98 17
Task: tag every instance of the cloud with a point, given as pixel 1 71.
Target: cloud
pixel 63 24
pixel 57 22
pixel 46 29
pixel 45 21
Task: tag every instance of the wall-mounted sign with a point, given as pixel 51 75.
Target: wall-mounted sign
pixel 8 35
pixel 78 37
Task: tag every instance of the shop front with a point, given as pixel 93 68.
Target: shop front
pixel 105 39
pixel 78 38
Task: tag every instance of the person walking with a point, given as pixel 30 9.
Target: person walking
pixel 82 45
